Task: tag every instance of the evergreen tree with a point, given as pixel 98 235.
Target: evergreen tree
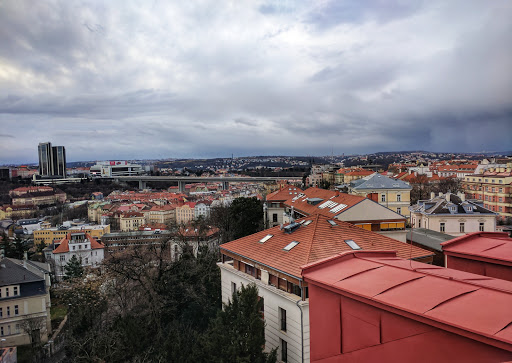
pixel 18 250
pixel 238 332
pixel 73 269
pixel 5 245
pixel 246 215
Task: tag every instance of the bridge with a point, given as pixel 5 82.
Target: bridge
pixel 183 180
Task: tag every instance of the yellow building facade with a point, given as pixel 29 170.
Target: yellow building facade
pixel 47 236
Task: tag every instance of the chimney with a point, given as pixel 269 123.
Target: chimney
pixel 447 196
pixel 432 195
pixel 462 196
pixel 440 194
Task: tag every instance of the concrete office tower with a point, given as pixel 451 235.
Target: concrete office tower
pixel 52 160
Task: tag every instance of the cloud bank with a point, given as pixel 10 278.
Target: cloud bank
pixel 128 79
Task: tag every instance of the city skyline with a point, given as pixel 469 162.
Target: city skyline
pixel 123 80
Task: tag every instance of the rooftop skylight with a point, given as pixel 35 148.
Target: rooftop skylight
pixel 331 222
pixel 352 244
pixel 307 222
pixel 266 238
pixel 290 245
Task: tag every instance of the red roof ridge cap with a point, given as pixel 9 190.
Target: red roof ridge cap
pixel 355 254
pixel 312 237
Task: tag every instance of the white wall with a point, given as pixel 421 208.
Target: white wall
pixel 273 300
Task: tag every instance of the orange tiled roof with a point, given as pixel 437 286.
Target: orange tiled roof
pixel 317 240
pixel 284 193
pixel 64 243
pixel 302 206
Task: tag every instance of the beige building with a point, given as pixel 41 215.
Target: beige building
pixel 49 235
pixel 24 302
pixel 391 193
pixel 131 221
pixel 185 213
pixel 452 214
pixel 161 214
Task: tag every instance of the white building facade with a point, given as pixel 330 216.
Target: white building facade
pixel 89 252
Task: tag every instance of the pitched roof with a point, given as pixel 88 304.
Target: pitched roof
pixel 496 246
pixel 315 201
pixel 284 193
pixel 442 204
pixel 378 181
pixel 459 300
pixel 64 243
pixel 317 240
pixel 12 273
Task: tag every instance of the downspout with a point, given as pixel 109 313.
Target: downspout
pixel 301 320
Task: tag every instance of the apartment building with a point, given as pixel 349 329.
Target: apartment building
pixel 274 206
pixel 493 187
pixel 452 214
pixel 24 302
pixel 361 211
pixel 273 260
pixel 89 252
pixel 50 235
pixel 390 193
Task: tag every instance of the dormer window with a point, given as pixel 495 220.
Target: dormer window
pixel 453 209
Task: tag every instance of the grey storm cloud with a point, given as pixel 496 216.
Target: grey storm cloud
pixel 128 79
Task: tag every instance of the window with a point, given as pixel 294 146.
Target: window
pixel 501 189
pixel 86 260
pixel 461 227
pixel 62 258
pixel 8 311
pixel 17 328
pixel 262 307
pixel 282 318
pixel 284 350
pixel 399 210
pixel 1 312
pixel 442 227
pixel 481 227
pixel 74 248
pixel 419 223
pixel 274 217
pixel 233 288
pixel 15 288
pixel 16 310
pixel 383 198
pixel 398 198
pixel 1 330
pixel 6 292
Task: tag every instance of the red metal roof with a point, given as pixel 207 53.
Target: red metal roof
pixel 445 298
pixel 317 240
pixel 496 246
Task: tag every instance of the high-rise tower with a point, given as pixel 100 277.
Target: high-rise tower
pixel 52 160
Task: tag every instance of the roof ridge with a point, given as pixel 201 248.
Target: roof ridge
pixel 317 216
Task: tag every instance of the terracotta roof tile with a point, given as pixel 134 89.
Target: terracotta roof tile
pixel 64 243
pixel 302 206
pixel 317 240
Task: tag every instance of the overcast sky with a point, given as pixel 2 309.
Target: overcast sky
pixel 157 79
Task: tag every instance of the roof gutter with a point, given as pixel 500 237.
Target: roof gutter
pixel 259 263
